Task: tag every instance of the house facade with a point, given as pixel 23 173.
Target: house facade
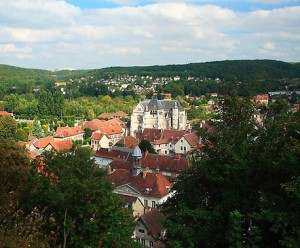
pixel 157 114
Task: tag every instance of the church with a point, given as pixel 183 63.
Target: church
pixel 157 114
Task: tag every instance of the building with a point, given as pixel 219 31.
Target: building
pixel 152 189
pixel 157 114
pixel 169 142
pixel 69 133
pixel 149 229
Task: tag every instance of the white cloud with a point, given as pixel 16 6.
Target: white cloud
pixel 55 34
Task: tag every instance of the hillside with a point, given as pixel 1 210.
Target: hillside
pixel 254 71
pixel 227 70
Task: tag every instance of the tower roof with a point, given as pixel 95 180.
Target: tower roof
pixel 137 152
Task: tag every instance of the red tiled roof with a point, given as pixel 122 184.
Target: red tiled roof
pixel 153 220
pixel 262 97
pixel 151 134
pixel 63 145
pixel 4 113
pixel 116 121
pixel 158 136
pixel 164 162
pixel 110 129
pixel 112 115
pixel 129 141
pixel 121 114
pixel 93 124
pixel 106 115
pixel 192 139
pixel 63 132
pixel 155 185
pixel 97 136
pixel 43 142
pixel 112 154
pixel 120 164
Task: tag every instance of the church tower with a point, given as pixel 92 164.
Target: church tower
pixel 136 162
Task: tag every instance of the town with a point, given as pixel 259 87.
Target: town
pixel 143 152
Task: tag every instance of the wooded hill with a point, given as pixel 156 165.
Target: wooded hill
pixel 229 71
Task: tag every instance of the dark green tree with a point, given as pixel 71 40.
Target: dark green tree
pixel 145 145
pixel 77 200
pixel 8 127
pixel 243 189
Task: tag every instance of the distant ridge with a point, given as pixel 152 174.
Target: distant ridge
pixel 227 70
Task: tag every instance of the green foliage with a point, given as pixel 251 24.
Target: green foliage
pixel 8 127
pixel 14 168
pixel 78 202
pixel 242 190
pixel 145 145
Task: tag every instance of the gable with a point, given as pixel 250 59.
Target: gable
pixel 127 189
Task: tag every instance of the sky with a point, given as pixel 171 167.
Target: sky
pixel 89 34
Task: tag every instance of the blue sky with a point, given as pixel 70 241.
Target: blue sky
pixel 237 5
pixel 90 34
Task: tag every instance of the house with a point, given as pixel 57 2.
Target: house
pixel 157 114
pixel 59 145
pixel 186 143
pixel 113 131
pixel 69 133
pixel 41 143
pixel 135 204
pixel 149 229
pixel 168 142
pixel 261 100
pixel 99 140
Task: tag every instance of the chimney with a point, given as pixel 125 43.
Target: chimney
pixel 145 171
pixel 177 156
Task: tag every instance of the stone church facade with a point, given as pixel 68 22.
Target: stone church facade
pixel 157 114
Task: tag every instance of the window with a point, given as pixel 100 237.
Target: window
pixel 145 203
pixel 181 148
pixel 151 244
pixel 141 230
pixel 166 152
pixel 153 204
pixel 181 141
pixel 143 242
pixel 185 148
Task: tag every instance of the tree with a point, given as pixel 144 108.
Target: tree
pixel 8 127
pixel 145 145
pixel 77 201
pixel 243 189
pixel 14 168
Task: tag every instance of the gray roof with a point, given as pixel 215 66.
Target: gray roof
pixel 155 104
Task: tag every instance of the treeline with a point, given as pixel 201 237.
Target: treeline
pixel 242 70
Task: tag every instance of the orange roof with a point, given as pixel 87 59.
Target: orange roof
pixel 158 136
pixel 63 132
pixel 191 138
pixel 116 121
pixel 129 141
pixel 93 124
pixel 262 97
pixel 43 142
pixel 4 113
pixel 106 115
pixel 156 185
pixel 121 114
pixel 97 136
pixel 62 145
pixel 110 129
